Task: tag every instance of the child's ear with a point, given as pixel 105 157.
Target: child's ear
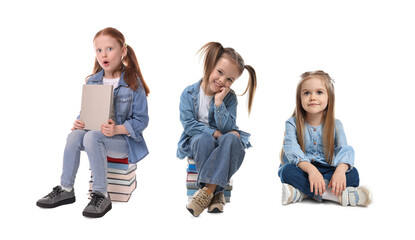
pixel 124 51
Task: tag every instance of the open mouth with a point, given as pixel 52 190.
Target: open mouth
pixel 105 63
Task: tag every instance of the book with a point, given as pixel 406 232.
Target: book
pixel 120 166
pixel 96 105
pixel 127 176
pixel 191 177
pixel 121 181
pixel 117 188
pixel 118 160
pixel 131 167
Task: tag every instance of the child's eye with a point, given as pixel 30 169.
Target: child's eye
pixel 220 72
pixel 98 50
pixel 230 80
pixel 109 49
pixel 320 92
pixel 306 93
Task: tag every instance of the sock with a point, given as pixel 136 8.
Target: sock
pixel 67 189
pixel 328 195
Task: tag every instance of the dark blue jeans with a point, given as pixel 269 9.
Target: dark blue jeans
pixel 296 177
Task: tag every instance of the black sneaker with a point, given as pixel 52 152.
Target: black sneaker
pixel 57 197
pixel 98 206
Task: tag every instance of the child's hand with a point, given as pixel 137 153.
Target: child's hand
pixel 217 134
pixel 219 96
pixel 338 180
pixel 78 125
pixel 236 133
pixel 108 129
pixel 317 183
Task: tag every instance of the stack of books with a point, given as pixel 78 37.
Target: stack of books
pixel 192 178
pixel 121 179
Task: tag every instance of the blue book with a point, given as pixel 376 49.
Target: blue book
pixel 191 169
pixel 121 166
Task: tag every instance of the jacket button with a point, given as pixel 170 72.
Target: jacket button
pixel 315 143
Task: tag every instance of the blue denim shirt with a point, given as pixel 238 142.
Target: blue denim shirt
pixel 131 110
pixel 222 118
pixel 293 154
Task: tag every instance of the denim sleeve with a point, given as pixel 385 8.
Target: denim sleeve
pixel 225 115
pixel 187 117
pixel 138 121
pixel 343 153
pixel 292 149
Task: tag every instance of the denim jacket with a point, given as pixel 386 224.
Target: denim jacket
pixel 222 118
pixel 293 154
pixel 131 110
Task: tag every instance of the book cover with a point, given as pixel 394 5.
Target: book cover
pixel 97 105
pixel 131 167
pixel 127 176
pixel 116 188
pixel 120 166
pixel 118 160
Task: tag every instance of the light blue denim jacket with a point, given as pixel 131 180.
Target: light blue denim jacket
pixel 293 154
pixel 222 118
pixel 131 110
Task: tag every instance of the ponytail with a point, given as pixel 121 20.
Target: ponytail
pixel 212 51
pixel 132 71
pixel 251 86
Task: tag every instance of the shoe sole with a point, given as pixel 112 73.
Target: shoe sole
pixel 191 211
pixel 215 210
pixel 97 215
pixel 56 204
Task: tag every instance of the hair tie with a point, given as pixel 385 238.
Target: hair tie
pixel 125 45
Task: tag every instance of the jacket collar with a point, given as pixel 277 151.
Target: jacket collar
pixel 99 76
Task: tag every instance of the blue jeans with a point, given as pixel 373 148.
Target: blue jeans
pixel 216 159
pixel 296 177
pixel 98 147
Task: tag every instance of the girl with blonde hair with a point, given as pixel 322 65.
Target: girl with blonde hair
pixel 316 160
pixel 208 115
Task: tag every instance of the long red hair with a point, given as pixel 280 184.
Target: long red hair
pixel 129 64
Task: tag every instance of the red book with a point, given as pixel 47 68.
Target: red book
pixel 118 160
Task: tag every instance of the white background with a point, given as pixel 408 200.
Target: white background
pixel 366 46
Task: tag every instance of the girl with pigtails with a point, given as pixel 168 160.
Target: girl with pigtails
pixel 208 115
pixel 117 65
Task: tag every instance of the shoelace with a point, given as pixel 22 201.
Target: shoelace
pixel 202 198
pixel 55 192
pixel 96 199
pixel 349 197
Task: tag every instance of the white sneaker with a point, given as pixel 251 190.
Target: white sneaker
pixel 360 196
pixel 290 194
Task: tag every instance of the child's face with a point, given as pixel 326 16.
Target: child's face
pixel 314 97
pixel 108 54
pixel 224 74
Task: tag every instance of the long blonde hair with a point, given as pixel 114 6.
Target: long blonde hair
pixel 329 123
pixel 213 51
